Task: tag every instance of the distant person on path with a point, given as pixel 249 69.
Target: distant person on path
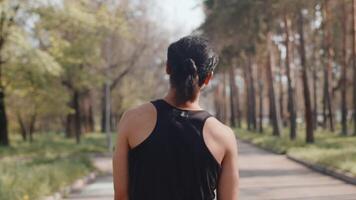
pixel 172 149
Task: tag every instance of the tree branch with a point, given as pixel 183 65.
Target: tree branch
pixel 131 63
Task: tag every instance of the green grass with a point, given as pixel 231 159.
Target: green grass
pixel 268 141
pixel 329 150
pixel 51 162
pixel 53 145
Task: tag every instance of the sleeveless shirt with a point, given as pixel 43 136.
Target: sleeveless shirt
pixel 174 163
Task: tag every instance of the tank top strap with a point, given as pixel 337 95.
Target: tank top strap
pixel 160 108
pixel 199 119
pixel 156 104
pixel 202 116
pixel 163 111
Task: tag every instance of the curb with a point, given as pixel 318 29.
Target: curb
pixel 344 176
pixel 76 186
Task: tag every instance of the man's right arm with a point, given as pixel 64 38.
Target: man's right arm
pixel 228 188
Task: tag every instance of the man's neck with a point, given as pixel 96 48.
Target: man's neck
pixel 191 105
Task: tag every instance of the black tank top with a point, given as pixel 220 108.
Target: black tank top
pixel 174 163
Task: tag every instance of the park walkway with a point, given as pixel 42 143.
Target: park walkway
pixel 102 188
pixel 264 176
pixel 267 176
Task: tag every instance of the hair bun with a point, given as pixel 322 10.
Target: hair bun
pixel 190 67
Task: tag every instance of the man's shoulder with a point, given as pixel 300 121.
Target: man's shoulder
pixel 217 126
pixel 139 114
pixel 219 130
pixel 136 121
pixel 140 110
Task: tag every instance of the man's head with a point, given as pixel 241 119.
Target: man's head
pixel 190 64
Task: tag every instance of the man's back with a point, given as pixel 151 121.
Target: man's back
pixel 176 153
pixel 174 149
pixel 173 162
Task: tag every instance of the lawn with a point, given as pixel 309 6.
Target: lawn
pixel 329 150
pixel 51 162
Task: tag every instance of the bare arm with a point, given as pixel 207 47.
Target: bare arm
pixel 228 188
pixel 130 135
pixel 120 161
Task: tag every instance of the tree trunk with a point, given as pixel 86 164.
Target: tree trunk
pixel 274 110
pixel 325 115
pixel 344 73
pixel 232 96
pixel 4 138
pixel 31 128
pixel 108 115
pixel 73 124
pixel 69 125
pixel 238 107
pixel 27 128
pixel 248 97
pixel 224 99
pixel 103 111
pixel 22 127
pixel 252 93
pixel 328 69
pixel 87 112
pixel 281 91
pixel 6 23
pixel 307 102
pixel 316 57
pixel 260 100
pixel 236 97
pixel 70 121
pixel 91 117
pixel 217 103
pixel 315 99
pixel 114 118
pixel 77 114
pixel 354 60
pixel 291 102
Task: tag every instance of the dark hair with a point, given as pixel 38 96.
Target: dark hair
pixel 190 59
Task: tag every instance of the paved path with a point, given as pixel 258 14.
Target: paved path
pixel 102 188
pixel 268 176
pixel 263 176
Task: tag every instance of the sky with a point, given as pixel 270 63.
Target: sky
pixel 179 16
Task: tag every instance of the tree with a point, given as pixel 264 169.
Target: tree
pixel 133 37
pixel 291 103
pixel 34 91
pixel 260 99
pixel 328 104
pixel 74 33
pixel 274 109
pixel 354 60
pixel 344 71
pixel 233 90
pixel 250 93
pixel 8 13
pixel 320 32
pixel 234 99
pixel 307 102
